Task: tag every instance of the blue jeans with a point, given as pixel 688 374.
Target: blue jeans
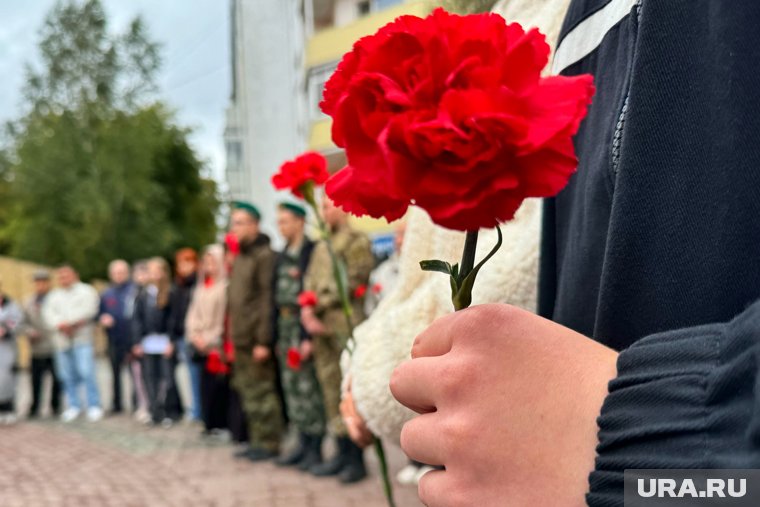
pixel 194 368
pixel 76 366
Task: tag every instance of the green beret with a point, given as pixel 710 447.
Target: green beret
pixel 248 208
pixel 296 209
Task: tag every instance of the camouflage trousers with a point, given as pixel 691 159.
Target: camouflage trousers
pixel 327 352
pixel 256 384
pixel 303 396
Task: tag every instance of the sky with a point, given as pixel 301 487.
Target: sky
pixel 194 80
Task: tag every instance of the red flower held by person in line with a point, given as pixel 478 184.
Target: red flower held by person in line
pixel 377 288
pixel 307 298
pixel 360 291
pixel 306 168
pixel 232 243
pixel 294 359
pixel 451 113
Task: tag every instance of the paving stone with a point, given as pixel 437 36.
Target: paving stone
pixel 119 463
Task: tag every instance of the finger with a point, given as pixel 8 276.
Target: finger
pixel 416 384
pixel 420 439
pixel 436 490
pixel 436 340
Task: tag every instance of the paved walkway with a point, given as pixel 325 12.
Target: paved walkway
pixel 118 463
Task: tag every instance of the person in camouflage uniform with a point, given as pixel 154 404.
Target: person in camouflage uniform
pixel 249 297
pixel 293 346
pixel 327 324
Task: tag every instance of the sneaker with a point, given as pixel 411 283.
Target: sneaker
pixel 94 414
pixel 10 419
pixel 69 415
pixel 408 475
pixel 167 423
pixel 421 473
pixel 143 417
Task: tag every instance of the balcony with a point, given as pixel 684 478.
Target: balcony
pixel 331 41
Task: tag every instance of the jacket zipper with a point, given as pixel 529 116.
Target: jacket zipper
pixel 617 138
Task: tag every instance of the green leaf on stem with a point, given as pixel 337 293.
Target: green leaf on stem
pixel 436 265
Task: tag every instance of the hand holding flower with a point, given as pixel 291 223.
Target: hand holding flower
pixel 509 403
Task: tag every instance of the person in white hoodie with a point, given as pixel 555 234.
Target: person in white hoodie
pixel 69 311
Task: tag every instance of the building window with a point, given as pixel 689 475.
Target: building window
pixel 317 80
pixel 363 7
pixel 384 4
pixel 234 156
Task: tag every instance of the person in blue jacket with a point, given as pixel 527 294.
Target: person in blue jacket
pixel 116 308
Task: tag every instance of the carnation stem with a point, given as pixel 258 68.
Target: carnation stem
pixel 468 256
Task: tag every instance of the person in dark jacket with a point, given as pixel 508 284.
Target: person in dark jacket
pixel 303 395
pixel 249 300
pixel 651 250
pixel 116 306
pixel 185 276
pixel 153 342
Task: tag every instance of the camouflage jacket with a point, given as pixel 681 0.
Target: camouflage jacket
pixel 354 249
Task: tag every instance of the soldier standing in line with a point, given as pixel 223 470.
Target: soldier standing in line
pixel 303 396
pixel 250 316
pixel 327 324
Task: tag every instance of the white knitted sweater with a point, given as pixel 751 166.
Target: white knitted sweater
pixel 385 339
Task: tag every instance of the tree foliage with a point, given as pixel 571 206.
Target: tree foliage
pixel 95 169
pixel 468 6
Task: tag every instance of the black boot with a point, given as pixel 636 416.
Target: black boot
pixel 354 469
pixel 335 464
pixel 313 454
pixel 294 457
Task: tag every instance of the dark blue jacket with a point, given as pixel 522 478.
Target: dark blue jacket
pixel 118 301
pixel 654 247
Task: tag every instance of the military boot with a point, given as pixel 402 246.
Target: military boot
pixel 354 469
pixel 313 454
pixel 334 465
pixel 294 457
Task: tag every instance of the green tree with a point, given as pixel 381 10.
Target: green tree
pixel 468 6
pixel 96 168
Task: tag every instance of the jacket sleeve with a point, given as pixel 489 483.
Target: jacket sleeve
pixel 192 321
pixel 360 263
pixel 262 307
pixel 173 314
pixel 138 320
pixel 274 314
pixel 51 314
pixel 88 305
pixel 215 332
pixel 26 321
pixel 687 398
pixel 13 319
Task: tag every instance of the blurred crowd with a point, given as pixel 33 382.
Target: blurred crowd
pixel 258 360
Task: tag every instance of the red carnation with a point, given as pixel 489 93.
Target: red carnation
pixel 233 245
pixel 306 168
pixel 307 298
pixel 377 288
pixel 294 359
pixel 450 113
pixel 360 291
